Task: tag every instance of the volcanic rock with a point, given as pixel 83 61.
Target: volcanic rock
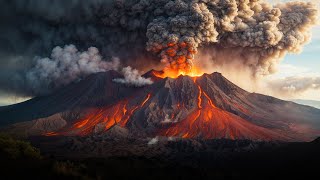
pixel 205 107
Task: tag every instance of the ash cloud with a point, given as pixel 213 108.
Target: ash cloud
pixel 133 78
pixel 293 86
pixel 144 32
pixel 66 65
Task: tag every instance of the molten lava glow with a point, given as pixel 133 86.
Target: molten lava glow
pixel 103 118
pixel 144 102
pixel 172 73
pixel 208 121
pixel 51 134
pixel 199 97
pixel 209 100
pixel 81 123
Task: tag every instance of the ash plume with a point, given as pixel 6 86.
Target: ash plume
pixel 260 32
pixel 133 78
pixel 172 31
pixel 65 66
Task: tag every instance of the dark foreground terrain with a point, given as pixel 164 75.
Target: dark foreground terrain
pixel 99 157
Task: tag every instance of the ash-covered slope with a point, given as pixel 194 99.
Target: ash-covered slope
pixel 96 90
pixel 207 107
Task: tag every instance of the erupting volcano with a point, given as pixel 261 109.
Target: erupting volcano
pixel 144 86
pixel 204 106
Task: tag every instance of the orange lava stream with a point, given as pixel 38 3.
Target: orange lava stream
pixel 209 122
pixel 144 102
pixel 209 100
pixel 126 119
pixel 103 118
pixel 199 97
pixel 81 123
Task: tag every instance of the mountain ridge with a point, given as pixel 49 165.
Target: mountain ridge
pixel 209 106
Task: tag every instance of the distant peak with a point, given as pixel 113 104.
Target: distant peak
pixel 216 74
pixel 317 141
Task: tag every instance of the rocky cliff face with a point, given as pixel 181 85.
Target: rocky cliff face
pixel 205 107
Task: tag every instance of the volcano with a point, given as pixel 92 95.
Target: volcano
pixel 206 107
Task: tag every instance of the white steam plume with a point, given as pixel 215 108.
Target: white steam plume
pixel 65 65
pixel 133 78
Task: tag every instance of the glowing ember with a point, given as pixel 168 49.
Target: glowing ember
pixel 172 73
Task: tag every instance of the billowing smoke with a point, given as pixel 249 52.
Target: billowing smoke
pixel 133 78
pixel 66 65
pixel 260 33
pixel 293 86
pixel 173 31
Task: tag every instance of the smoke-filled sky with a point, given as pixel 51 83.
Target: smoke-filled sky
pixel 45 45
pixel 303 67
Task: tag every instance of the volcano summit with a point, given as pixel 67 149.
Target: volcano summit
pixel 207 107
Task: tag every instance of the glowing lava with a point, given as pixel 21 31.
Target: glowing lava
pixel 199 97
pixel 103 118
pixel 144 102
pixel 209 122
pixel 206 120
pixel 172 73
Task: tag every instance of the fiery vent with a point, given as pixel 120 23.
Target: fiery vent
pixel 174 73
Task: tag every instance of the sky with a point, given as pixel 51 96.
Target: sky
pixel 305 64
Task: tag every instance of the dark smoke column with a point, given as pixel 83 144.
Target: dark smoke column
pixel 177 36
pixel 176 28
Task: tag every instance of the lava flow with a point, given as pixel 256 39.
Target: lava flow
pixel 103 118
pixel 208 121
pixel 204 119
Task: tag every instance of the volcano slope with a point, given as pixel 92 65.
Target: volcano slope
pixel 206 107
